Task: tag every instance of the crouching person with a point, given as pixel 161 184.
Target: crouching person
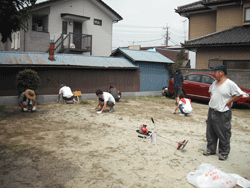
pixel 115 93
pixel 105 100
pixel 27 100
pixel 66 93
pixel 184 105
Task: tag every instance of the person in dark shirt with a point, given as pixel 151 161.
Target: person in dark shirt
pixel 27 100
pixel 116 94
pixel 178 79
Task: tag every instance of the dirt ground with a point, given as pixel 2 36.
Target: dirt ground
pixel 72 146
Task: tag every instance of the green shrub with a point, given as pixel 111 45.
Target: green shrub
pixel 27 79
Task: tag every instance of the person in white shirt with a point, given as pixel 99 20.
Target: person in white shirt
pixel 184 105
pixel 223 92
pixel 66 93
pixel 105 100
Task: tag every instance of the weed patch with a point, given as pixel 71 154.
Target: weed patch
pixel 84 102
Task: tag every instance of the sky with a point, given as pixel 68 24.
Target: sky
pixel 146 22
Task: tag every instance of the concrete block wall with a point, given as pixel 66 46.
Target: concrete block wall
pixel 240 77
pixel 30 41
pixel 13 100
pixel 37 41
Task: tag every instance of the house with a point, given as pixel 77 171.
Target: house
pixel 219 32
pixel 153 67
pixel 81 72
pixel 76 26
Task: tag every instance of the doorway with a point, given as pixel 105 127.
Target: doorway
pixel 77 34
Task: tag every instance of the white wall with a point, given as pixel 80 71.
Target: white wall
pixel 192 57
pixel 101 35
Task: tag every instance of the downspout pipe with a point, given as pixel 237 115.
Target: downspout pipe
pixel 52 50
pixel 212 59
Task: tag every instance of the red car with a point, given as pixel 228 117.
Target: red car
pixel 196 85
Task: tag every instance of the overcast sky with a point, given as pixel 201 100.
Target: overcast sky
pixel 145 21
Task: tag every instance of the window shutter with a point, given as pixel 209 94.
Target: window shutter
pixel 13 40
pixel 18 40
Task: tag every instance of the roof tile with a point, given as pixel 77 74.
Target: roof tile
pixel 235 35
pixel 146 56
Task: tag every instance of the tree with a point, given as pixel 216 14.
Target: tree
pixel 14 16
pixel 179 59
pixel 27 79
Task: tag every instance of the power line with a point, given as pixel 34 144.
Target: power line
pixel 143 32
pixel 134 26
pixel 176 43
pixel 180 35
pixel 147 40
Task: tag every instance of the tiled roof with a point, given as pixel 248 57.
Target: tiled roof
pixel 212 2
pixel 141 55
pixel 189 7
pixel 81 61
pixel 203 5
pixel 170 54
pixel 233 36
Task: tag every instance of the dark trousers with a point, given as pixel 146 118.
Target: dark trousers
pixel 219 128
pixel 181 109
pixel 109 103
pixel 69 99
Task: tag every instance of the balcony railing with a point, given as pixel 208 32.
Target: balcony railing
pixel 74 43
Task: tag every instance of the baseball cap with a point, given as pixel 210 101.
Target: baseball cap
pixel 220 67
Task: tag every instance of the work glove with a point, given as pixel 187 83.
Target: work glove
pixel 57 100
pixel 99 112
pixel 174 112
pixel 25 109
pixel 34 108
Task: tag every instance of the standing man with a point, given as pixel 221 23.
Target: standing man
pixel 178 79
pixel 66 93
pixel 105 100
pixel 27 100
pixel 223 92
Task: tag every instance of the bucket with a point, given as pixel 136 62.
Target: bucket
pixel 153 138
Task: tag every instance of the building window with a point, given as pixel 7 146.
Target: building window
pixel 247 14
pixel 64 27
pixel 193 78
pixel 237 64
pixel 97 22
pixel 40 23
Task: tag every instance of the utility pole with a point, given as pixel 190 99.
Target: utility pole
pixel 167 35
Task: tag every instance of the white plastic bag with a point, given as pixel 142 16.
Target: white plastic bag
pixel 241 181
pixel 208 176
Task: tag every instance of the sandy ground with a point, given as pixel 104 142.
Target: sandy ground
pixel 72 146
